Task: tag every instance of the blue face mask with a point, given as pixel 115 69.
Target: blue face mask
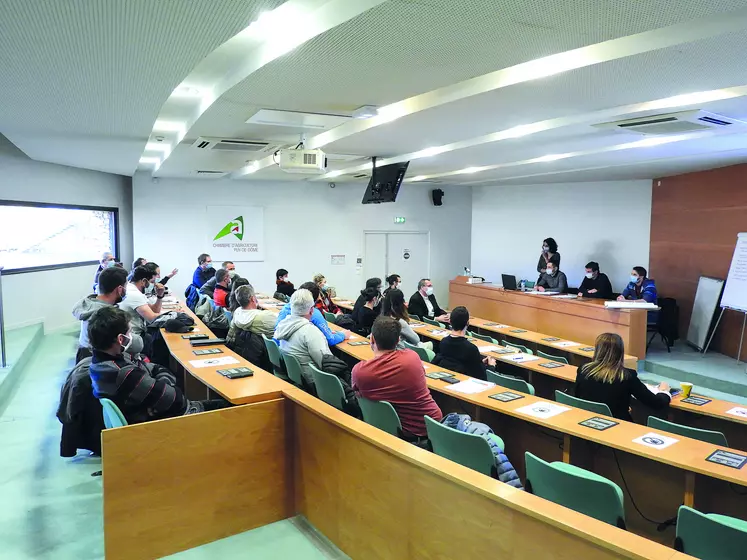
pixel 111 263
pixel 634 278
pixel 208 266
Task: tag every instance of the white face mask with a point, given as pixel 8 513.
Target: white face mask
pixel 590 275
pixel 129 342
pixel 429 291
pixel 550 271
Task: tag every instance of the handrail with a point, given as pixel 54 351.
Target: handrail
pixel 3 362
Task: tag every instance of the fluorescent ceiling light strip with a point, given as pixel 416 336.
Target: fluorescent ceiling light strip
pixel 552 124
pixel 554 157
pixel 273 34
pixel 606 51
pixel 739 151
pixel 145 160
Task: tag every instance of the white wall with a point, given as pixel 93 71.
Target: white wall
pixel 49 296
pixel 305 223
pixel 607 222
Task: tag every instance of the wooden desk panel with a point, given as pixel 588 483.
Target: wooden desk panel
pixel 376 496
pixel 581 320
pixel 175 484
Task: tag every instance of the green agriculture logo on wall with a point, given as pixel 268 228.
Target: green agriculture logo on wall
pixel 235 226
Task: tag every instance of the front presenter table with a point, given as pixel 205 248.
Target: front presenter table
pixel 575 319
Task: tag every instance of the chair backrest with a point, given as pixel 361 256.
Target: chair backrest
pixel 576 488
pixel 419 350
pixel 709 436
pixel 591 406
pixel 329 388
pixel 432 322
pixel 510 382
pixel 330 317
pixel 113 417
pixel 276 359
pixel 483 337
pixel 293 367
pixel 529 284
pixel 466 449
pixel 710 536
pixel 559 359
pixel 667 321
pixel 382 415
pixel 414 317
pixel 517 346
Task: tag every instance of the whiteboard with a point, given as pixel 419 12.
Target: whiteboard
pixel 735 292
pixel 706 302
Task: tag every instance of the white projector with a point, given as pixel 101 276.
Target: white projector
pixel 311 162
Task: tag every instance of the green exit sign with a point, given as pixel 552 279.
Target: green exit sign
pixel 399 219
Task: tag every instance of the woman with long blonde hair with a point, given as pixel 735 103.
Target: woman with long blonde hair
pixel 606 380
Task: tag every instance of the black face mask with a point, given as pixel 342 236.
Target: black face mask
pixel 120 299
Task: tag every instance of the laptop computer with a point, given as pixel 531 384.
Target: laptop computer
pixel 509 281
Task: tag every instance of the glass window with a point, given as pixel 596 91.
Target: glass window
pixel 43 236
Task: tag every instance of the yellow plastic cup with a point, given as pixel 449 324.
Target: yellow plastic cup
pixel 687 388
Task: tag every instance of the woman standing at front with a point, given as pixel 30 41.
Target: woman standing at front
pixel 606 380
pixel 549 255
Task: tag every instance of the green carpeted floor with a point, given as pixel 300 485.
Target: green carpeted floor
pixel 51 507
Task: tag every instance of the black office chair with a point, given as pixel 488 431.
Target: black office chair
pixel 667 323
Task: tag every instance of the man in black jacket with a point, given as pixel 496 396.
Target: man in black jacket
pixel 423 303
pixel 596 284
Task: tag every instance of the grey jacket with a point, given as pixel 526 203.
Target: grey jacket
pixel 302 340
pixel 556 283
pixel 407 334
pixel 83 311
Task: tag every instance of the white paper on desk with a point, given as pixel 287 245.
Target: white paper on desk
pixel 417 325
pixel 630 304
pixel 439 332
pixel 501 326
pixel 519 358
pixel 211 362
pixel 738 411
pixel 657 441
pixel 471 386
pixel 565 296
pixel 565 344
pixel 489 348
pixel 536 293
pixel 543 409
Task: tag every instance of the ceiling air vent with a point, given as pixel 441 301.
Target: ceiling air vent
pixel 682 122
pixel 234 145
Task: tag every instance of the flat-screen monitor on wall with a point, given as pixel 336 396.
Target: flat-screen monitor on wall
pixel 385 183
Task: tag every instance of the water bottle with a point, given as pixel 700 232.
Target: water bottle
pixel 522 285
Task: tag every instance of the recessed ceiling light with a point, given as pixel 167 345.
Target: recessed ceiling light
pixel 334 173
pixel 429 152
pixel 150 160
pixel 158 147
pixel 418 178
pixel 551 157
pixel 470 170
pixel 365 112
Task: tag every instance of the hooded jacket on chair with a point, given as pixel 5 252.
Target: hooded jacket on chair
pixel 463 423
pixel 84 309
pixel 80 413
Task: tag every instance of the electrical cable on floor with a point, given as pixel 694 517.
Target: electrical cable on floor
pixel 632 501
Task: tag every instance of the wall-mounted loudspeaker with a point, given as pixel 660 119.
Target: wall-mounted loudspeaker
pixel 437 195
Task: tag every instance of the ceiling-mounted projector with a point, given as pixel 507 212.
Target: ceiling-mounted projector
pixel 310 162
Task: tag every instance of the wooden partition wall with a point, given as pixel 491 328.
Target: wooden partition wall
pixel 179 483
pixel 695 219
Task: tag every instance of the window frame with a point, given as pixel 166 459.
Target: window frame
pixel 114 211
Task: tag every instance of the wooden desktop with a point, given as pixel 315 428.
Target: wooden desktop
pixel 579 319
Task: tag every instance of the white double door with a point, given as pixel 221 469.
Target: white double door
pixel 406 254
